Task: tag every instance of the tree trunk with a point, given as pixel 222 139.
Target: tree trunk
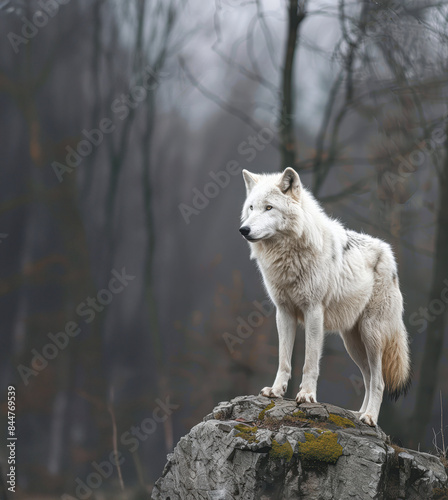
pixel 296 14
pixel 429 369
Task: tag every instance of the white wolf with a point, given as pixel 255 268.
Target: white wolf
pixel 330 279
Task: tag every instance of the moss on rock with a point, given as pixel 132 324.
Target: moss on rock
pixel 299 414
pixel 322 448
pixel 295 418
pixel 340 421
pixel 279 451
pixel 247 433
pixel 262 413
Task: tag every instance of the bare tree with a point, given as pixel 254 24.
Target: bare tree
pixel 296 15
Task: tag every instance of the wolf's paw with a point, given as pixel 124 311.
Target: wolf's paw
pixel 272 392
pixel 306 397
pixel 368 419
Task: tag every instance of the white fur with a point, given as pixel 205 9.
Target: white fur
pixel 330 279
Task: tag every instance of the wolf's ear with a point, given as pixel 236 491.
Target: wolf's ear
pixel 290 182
pixel 250 180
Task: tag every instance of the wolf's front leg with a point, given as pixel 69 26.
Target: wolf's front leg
pixel 286 326
pixel 314 341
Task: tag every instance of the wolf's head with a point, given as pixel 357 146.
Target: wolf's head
pixel 270 204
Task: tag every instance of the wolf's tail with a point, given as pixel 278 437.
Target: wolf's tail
pixel 397 371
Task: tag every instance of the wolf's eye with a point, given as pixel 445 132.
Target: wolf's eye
pixel 251 207
pixel 269 207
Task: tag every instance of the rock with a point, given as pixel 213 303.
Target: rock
pixel 253 448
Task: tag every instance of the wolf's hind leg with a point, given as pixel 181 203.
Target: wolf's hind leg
pixel 373 346
pixel 286 326
pixel 357 351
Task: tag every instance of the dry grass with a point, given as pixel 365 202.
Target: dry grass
pixel 440 451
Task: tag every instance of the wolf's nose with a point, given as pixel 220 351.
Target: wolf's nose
pixel 245 230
